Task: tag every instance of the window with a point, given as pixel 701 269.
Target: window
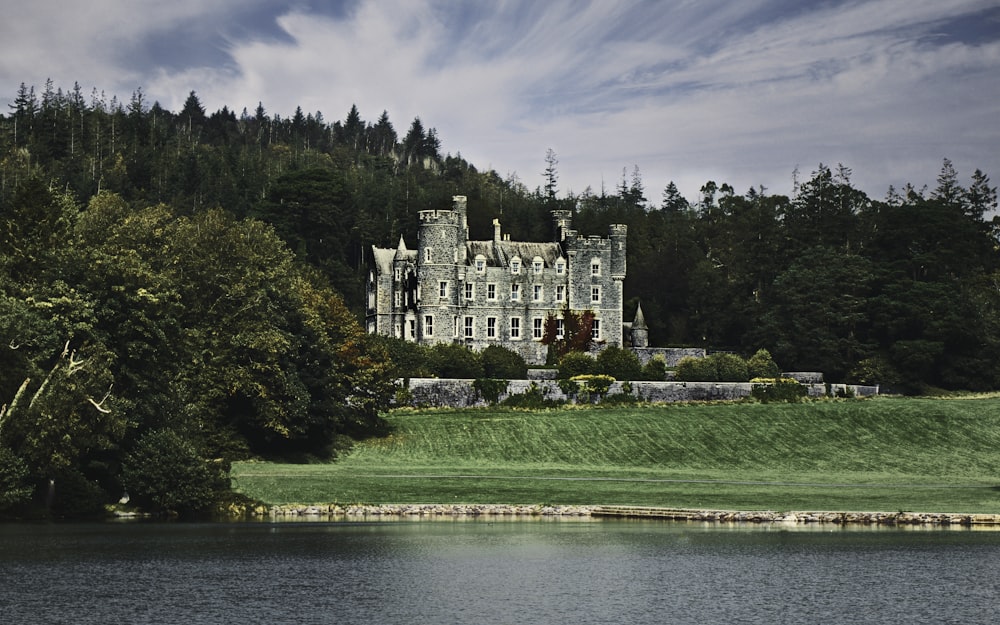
pixel 491 327
pixel 537 265
pixel 536 292
pixel 515 292
pixel 515 328
pixel 480 264
pixel 515 265
pixel 537 328
pixel 595 266
pixel 560 292
pixel 412 324
pixel 469 321
pixel 396 298
pixel 443 288
pixel 428 325
pixel 560 329
pixel 470 290
pixel 595 330
pixel 595 294
pixel 560 267
pixel 491 291
pixel 427 254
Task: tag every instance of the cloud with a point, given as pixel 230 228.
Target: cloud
pixel 738 92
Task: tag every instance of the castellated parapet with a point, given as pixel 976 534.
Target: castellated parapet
pixel 498 291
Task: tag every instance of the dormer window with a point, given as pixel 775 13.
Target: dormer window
pixel 560 267
pixel 515 265
pixel 480 264
pixel 537 265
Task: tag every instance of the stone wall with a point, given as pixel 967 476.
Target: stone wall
pixel 672 355
pixel 459 393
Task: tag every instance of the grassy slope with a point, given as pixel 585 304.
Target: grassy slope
pixel 883 454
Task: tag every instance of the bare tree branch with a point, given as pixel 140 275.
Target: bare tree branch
pixel 100 405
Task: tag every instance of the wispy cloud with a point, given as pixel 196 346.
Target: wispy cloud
pixel 741 92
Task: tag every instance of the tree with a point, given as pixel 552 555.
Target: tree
pixel 383 135
pixel 948 190
pixel 817 315
pixel 673 201
pixel 14 485
pixel 980 198
pixel 193 113
pixel 571 331
pixel 58 422
pixel 34 232
pixel 551 175
pixel 414 142
pixel 166 473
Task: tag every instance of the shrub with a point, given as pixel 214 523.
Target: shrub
pixel 569 387
pixel 729 367
pixel 619 363
pixel 872 371
pixel 576 363
pixel 714 368
pixel 598 384
pixel 500 362
pixel 490 389
pixel 696 370
pixel 451 360
pixel 165 472
pixel 768 390
pixel 409 359
pixel 14 486
pixel 761 365
pixel 73 495
pixel 655 370
pixel 533 398
pixel 625 397
pixel 620 399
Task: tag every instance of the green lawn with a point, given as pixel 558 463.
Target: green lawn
pixel 933 455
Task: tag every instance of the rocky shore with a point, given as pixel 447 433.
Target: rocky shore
pixel 337 512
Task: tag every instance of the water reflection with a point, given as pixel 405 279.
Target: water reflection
pixel 496 571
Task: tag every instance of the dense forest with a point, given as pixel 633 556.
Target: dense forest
pixel 157 267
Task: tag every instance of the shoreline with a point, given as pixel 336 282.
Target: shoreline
pixel 760 517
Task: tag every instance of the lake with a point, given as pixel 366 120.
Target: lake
pixel 502 571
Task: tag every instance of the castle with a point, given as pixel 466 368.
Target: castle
pixel 496 292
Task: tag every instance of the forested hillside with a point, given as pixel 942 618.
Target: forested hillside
pixel 202 272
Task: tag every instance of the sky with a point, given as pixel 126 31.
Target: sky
pixel 743 92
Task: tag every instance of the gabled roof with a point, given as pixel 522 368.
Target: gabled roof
pixel 498 254
pixel 383 259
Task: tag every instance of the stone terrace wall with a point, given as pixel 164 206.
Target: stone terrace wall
pixel 460 394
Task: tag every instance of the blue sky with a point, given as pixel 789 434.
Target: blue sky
pixel 739 92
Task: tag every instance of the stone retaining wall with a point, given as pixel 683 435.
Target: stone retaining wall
pixel 335 512
pixel 435 392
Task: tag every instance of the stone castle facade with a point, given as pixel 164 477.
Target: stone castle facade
pixel 496 292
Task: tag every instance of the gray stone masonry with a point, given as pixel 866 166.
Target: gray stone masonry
pixel 498 292
pixel 434 392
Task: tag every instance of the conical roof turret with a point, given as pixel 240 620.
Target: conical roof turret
pixel 640 321
pixel 401 248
